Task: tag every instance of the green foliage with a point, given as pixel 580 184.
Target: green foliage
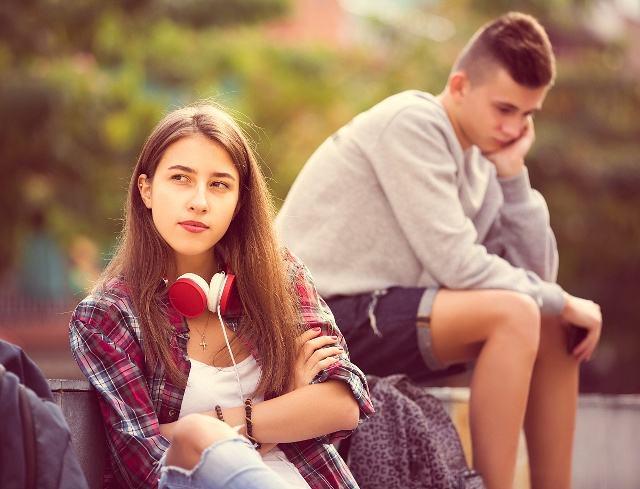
pixel 585 162
pixel 540 8
pixel 207 13
pixel 82 83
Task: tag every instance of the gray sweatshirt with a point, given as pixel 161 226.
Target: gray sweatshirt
pixel 391 199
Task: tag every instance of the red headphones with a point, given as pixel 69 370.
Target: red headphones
pixel 191 295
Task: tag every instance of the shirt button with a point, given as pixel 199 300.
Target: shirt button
pixel 172 412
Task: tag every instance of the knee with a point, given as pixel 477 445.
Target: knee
pixel 195 432
pixel 519 321
pixel 186 433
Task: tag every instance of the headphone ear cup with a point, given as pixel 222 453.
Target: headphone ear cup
pixel 229 300
pixel 222 291
pixel 188 295
pixel 216 287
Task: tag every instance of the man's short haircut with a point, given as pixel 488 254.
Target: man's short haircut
pixel 514 41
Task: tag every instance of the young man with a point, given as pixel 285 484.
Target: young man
pixel 423 232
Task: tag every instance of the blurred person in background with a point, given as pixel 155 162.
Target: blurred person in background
pixel 84 269
pixel 43 268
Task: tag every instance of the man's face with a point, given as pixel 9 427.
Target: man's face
pixel 493 112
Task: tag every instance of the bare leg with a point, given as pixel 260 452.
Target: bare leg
pixel 551 411
pixel 501 329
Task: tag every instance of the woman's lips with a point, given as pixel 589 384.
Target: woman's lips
pixel 194 227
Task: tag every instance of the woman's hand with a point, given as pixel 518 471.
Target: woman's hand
pixel 315 353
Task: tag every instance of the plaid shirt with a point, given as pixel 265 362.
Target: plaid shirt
pixel 106 342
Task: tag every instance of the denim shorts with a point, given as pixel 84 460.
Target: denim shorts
pixel 383 335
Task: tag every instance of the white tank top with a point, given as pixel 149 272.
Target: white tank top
pixel 208 385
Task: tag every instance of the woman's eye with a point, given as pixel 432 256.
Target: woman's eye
pixel 218 184
pixel 180 177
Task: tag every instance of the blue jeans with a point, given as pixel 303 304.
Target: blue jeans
pixel 227 464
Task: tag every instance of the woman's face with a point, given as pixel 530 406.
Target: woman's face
pixel 192 196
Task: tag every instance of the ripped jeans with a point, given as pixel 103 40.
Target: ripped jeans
pixel 226 464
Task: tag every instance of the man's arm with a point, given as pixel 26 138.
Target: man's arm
pixel 417 171
pixel 522 233
pixel 415 166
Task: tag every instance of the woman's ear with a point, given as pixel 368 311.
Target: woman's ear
pixel 144 187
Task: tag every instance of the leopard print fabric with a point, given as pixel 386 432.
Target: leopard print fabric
pixel 410 443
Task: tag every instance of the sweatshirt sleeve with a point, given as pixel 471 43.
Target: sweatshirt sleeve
pixel 523 230
pixel 418 175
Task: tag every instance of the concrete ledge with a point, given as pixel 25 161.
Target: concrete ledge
pixel 80 408
pixel 607 442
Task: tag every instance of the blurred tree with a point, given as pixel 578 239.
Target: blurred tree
pixel 78 98
pixel 590 173
pixel 82 84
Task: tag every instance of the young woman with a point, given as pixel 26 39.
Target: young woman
pixel 244 398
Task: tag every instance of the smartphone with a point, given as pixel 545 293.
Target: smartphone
pixel 575 334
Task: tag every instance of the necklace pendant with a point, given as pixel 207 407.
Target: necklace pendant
pixel 203 344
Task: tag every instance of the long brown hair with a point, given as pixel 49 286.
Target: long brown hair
pixel 249 248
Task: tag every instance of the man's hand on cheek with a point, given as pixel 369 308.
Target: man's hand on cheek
pixel 509 160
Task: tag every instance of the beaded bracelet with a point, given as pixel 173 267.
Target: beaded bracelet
pixel 247 414
pixel 219 413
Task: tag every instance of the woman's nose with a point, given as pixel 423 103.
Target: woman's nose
pixel 198 201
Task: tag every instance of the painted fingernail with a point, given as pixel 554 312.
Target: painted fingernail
pixel 317 328
pixel 334 337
